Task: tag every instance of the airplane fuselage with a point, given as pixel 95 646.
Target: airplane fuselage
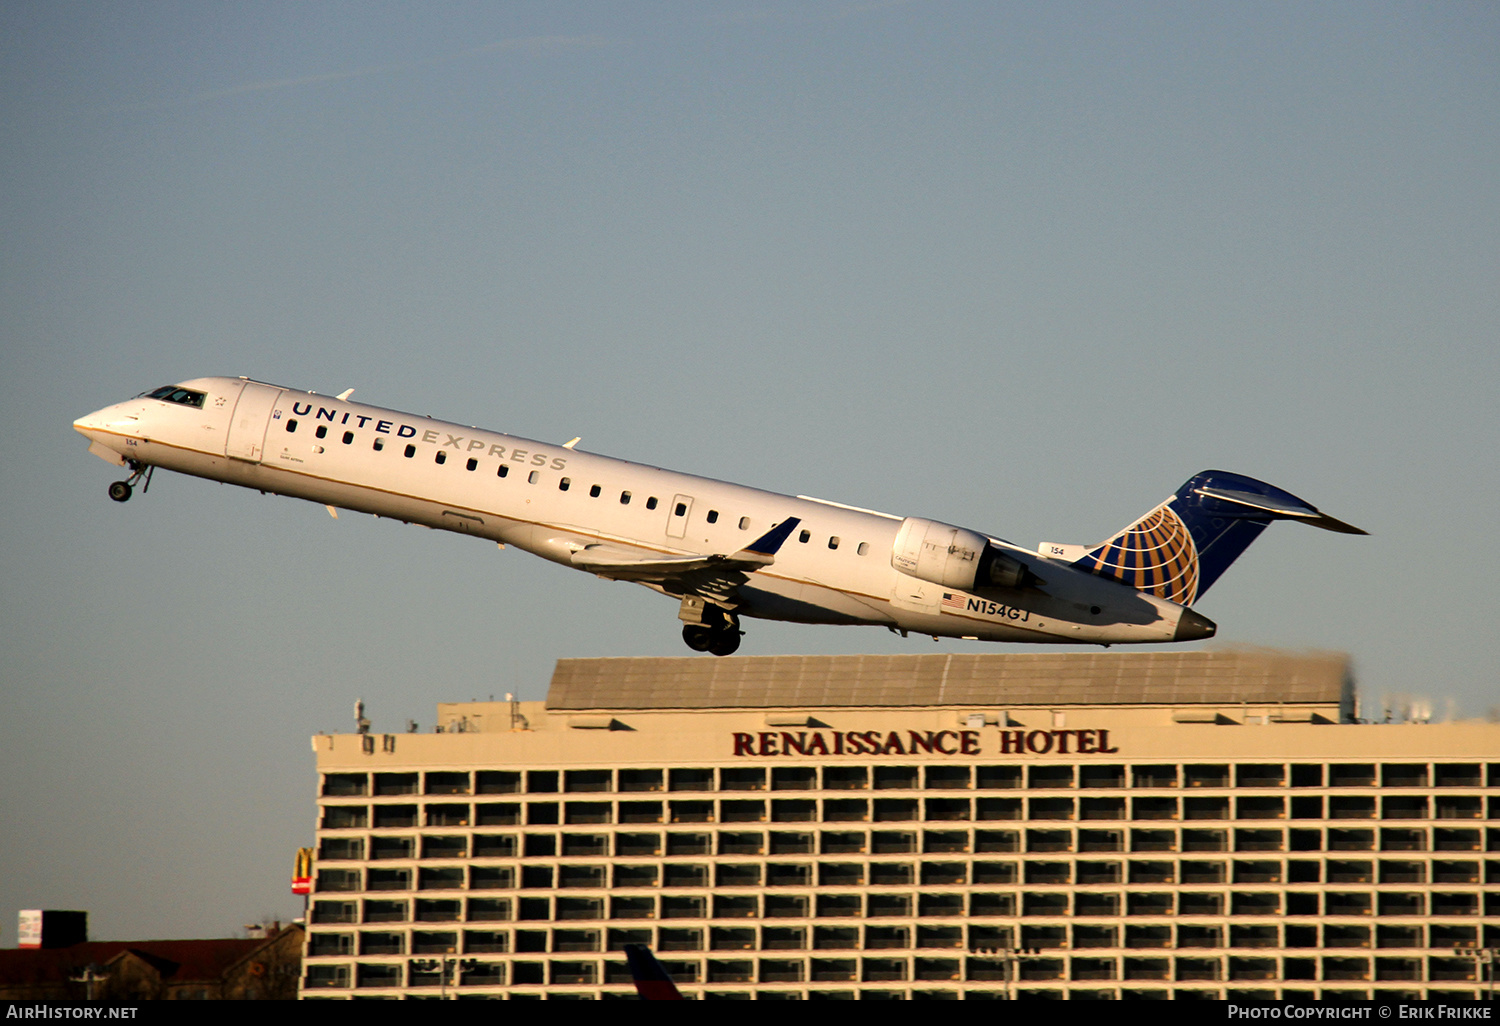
pixel 841 565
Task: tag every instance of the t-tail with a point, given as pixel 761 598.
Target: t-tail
pixel 651 980
pixel 1179 549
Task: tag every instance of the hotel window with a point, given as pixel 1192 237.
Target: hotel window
pixel 389 880
pixel 635 845
pixel 891 874
pixel 392 816
pixel 1260 775
pixel 895 777
pixel 786 906
pixel 1050 776
pixel 1206 776
pixel 1153 776
pixel 576 844
pixel 945 841
pixel 794 778
pixel 491 878
pixel 690 780
pixel 484 910
pixel 497 814
pixel 845 778
pixel 889 842
pixel 344 817
pixel 386 911
pixel 947 778
pixel 679 844
pixel 440 878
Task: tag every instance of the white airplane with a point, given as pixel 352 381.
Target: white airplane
pixel 723 551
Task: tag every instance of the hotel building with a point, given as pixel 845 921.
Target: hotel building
pixel 1163 825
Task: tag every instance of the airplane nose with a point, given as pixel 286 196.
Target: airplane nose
pixel 89 422
pixel 110 419
pixel 1193 627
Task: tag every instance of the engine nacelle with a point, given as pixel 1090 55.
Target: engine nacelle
pixel 955 557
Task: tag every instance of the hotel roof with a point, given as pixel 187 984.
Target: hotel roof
pixel 988 680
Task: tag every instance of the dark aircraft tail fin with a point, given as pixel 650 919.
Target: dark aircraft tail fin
pixel 1179 549
pixel 651 981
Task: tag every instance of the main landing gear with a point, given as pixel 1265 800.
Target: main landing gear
pixel 721 641
pixel 121 491
pixel 709 628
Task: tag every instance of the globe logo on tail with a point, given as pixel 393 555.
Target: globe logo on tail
pixel 1156 554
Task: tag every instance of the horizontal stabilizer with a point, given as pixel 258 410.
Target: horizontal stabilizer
pixel 1281 510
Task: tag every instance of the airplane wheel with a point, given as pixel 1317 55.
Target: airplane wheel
pixel 699 639
pixel 725 643
pixel 119 491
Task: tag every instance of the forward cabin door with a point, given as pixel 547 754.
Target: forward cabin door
pixel 677 516
pixel 252 416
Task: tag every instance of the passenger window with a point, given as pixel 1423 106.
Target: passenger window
pixel 804 536
pixel 624 498
pixel 744 523
pixel 594 492
pixel 651 502
pixel 681 509
pixel 864 548
pixel 441 457
pixel 291 426
pixel 379 444
pixel 713 516
pixel 411 450
pixel 833 543
pixel 473 464
pixel 503 471
pixel 534 477
pixel 562 485
pixel 348 437
pixel 322 431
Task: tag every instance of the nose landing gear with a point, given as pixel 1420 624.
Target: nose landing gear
pixel 121 491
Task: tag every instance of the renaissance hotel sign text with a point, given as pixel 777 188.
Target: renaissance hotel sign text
pixel 920 742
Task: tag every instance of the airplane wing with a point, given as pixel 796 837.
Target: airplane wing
pixel 620 563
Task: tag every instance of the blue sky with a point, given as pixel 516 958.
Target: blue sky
pixel 1024 268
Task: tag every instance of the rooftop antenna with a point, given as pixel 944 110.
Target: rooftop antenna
pixel 360 723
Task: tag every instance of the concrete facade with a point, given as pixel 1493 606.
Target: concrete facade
pixel 1167 825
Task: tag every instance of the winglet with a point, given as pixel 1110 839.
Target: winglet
pixel 651 981
pixel 763 549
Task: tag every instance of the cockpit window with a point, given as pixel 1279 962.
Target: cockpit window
pixel 174 394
